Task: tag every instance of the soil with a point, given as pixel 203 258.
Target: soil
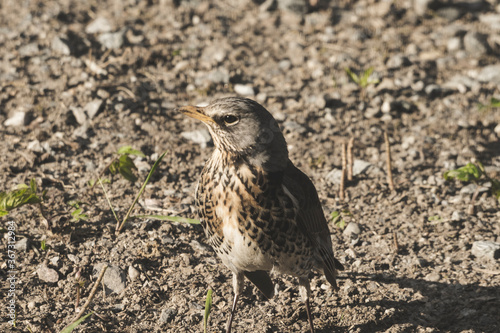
pixel 80 79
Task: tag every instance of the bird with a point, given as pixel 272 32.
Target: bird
pixel 260 213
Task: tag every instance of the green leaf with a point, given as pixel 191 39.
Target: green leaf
pixel 467 173
pixel 336 218
pixel 168 218
pixel 23 195
pixel 352 75
pixel 125 167
pixel 495 102
pixel 77 215
pixel 208 308
pixel 128 150
pixel 72 326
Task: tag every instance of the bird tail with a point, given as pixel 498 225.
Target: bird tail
pixel 331 277
pixel 262 281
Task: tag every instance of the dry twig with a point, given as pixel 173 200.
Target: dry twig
pixel 395 239
pixel 344 167
pixel 91 295
pixel 389 164
pixel 350 160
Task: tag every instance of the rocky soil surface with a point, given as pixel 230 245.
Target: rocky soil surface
pixel 80 79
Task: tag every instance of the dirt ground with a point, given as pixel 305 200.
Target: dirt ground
pixel 80 79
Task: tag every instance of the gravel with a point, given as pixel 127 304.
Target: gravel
pixel 79 80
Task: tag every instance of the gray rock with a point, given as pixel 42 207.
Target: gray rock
pixel 22 244
pixel 486 249
pixel 462 83
pixel 28 50
pixel 454 44
pixel 17 119
pixel 167 315
pixel 334 176
pixel 112 40
pixel 285 64
pixel 371 112
pixel 201 137
pixel 421 6
pixel 54 261
pixel 433 90
pixel 475 44
pixel 360 166
pixel 114 279
pixel 60 46
pixel 490 73
pixel 433 277
pixel 449 13
pixel 352 230
pixel 79 114
pixel 293 126
pixel 497 130
pixel 93 107
pixel 492 20
pixel 457 216
pixel 295 6
pixel 99 25
pixel 471 188
pixel 47 274
pixel 214 54
pixel 133 273
pixel 398 61
pixel 244 89
pixel 217 75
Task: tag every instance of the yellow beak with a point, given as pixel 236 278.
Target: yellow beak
pixel 196 113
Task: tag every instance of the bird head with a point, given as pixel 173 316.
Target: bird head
pixel 244 128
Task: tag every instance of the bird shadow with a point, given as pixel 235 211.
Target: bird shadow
pixel 453 307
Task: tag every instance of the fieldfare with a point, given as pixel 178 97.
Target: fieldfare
pixel 259 212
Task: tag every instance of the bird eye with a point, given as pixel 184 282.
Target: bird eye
pixel 230 120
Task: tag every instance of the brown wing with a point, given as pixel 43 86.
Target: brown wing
pixel 311 219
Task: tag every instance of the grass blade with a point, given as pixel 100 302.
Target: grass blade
pixel 119 228
pixel 208 308
pixel 108 200
pixel 72 326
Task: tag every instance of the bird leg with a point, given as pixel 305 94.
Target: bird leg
pixel 238 282
pixel 305 294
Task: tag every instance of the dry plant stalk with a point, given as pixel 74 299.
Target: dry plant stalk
pixel 91 295
pixel 389 164
pixel 350 160
pixel 471 208
pixel 343 176
pixel 395 239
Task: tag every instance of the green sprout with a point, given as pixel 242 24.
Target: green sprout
pixel 363 80
pixel 208 308
pixel 337 217
pixel 22 195
pixel 474 173
pixel 72 326
pixel 77 214
pixel 494 103
pixel 124 164
pixel 43 246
